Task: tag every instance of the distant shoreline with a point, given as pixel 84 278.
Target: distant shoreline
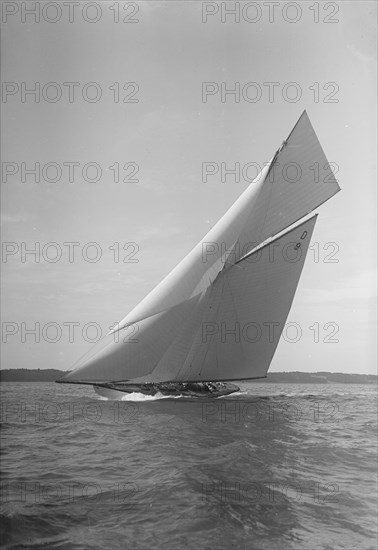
pixel 50 375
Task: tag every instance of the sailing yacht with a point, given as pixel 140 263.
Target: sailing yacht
pixel 217 317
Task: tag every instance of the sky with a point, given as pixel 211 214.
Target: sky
pixel 121 127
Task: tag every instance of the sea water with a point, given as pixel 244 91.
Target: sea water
pixel 276 466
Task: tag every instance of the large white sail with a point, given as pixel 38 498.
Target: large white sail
pixel 229 332
pixel 243 322
pixel 297 181
pixel 220 284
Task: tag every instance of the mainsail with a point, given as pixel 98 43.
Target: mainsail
pixel 219 314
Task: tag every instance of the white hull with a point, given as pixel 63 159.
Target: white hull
pixel 114 395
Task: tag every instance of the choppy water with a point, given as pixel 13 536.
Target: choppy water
pixel 279 466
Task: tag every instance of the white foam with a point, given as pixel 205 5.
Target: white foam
pixel 235 394
pixel 137 396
